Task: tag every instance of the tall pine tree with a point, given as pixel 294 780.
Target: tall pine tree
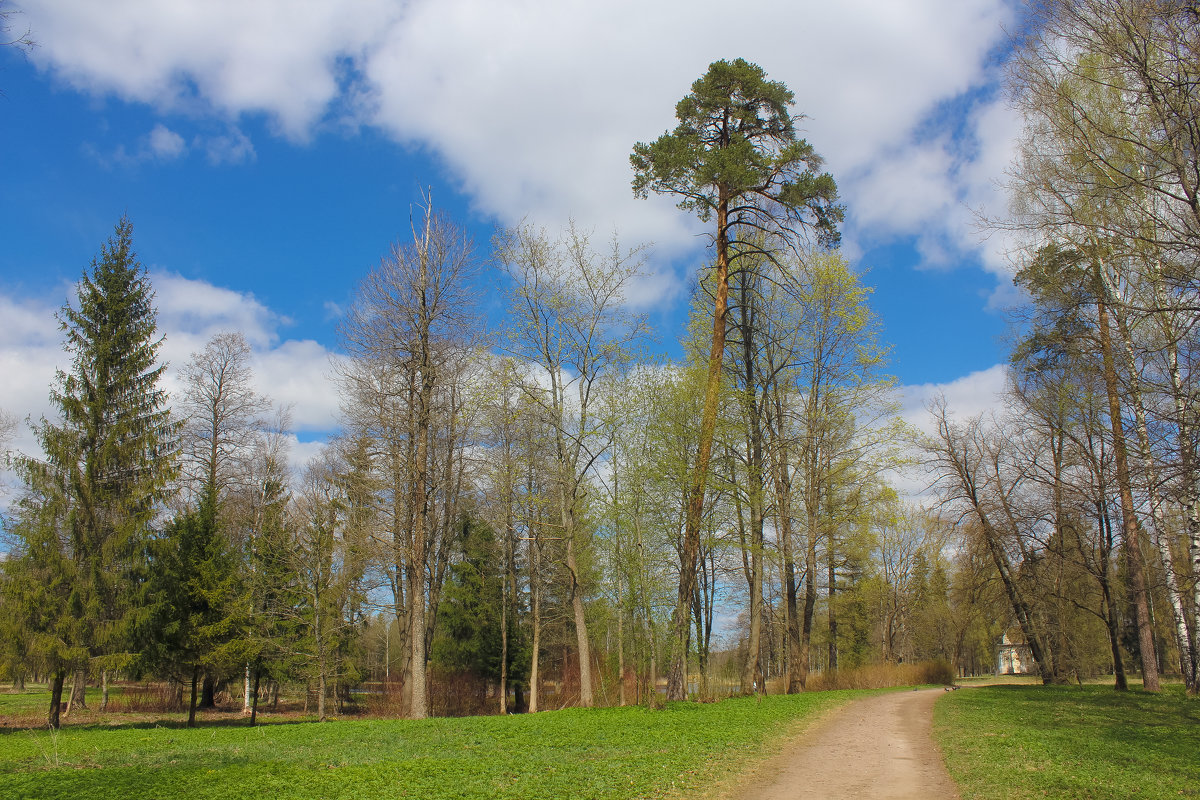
pixel 109 461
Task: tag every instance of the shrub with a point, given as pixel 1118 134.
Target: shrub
pixel 879 676
pixel 939 671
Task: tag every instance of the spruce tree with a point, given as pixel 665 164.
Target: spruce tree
pixel 196 605
pixel 108 463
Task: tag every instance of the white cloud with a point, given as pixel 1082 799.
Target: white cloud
pixel 534 105
pixel 536 110
pixel 977 393
pixel 161 144
pixel 29 351
pixel 232 147
pixel 195 310
pixel 231 56
pixel 300 454
pixel 905 189
pixel 299 374
pixel 165 143
pixel 291 372
pixel 973 394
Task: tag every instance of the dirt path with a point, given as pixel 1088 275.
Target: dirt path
pixel 879 747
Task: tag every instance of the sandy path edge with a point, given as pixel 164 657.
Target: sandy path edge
pixel 877 747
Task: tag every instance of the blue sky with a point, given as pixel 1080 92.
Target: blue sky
pixel 268 153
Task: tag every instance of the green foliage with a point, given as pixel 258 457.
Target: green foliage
pixel 468 633
pixel 271 631
pixel 115 443
pixel 736 140
pixel 196 605
pixel 611 753
pixel 322 553
pixel 857 617
pixel 81 525
pixel 1061 283
pixel 39 627
pixel 1090 742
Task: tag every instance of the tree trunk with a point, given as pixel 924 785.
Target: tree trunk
pixel 78 695
pixel 795 650
pixel 1020 608
pixel 956 455
pixel 209 696
pixel 621 698
pixel 191 720
pixel 690 551
pixel 581 633
pixel 832 610
pixel 509 586
pixel 322 690
pixel 504 650
pixel 254 699
pixel 1129 522
pixel 1191 509
pixel 647 611
pixel 535 678
pixel 1186 610
pixel 810 597
pixel 1120 682
pixel 103 690
pixel 783 515
pixel 755 494
pixel 568 507
pixel 701 638
pixel 56 691
pixel 752 569
pixel 418 704
pixel 1184 640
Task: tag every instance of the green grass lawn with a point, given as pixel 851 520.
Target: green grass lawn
pixel 33 700
pixel 1017 742
pixel 683 751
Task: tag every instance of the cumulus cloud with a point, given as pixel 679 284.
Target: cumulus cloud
pixel 229 147
pixel 195 310
pixel 229 56
pixel 536 112
pixel 534 106
pixel 299 374
pixel 30 348
pixel 161 144
pixel 291 372
pixel 165 143
pixel 980 392
pixel 973 394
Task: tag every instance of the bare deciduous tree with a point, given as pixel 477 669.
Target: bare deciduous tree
pixel 570 326
pixel 223 414
pixel 405 335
